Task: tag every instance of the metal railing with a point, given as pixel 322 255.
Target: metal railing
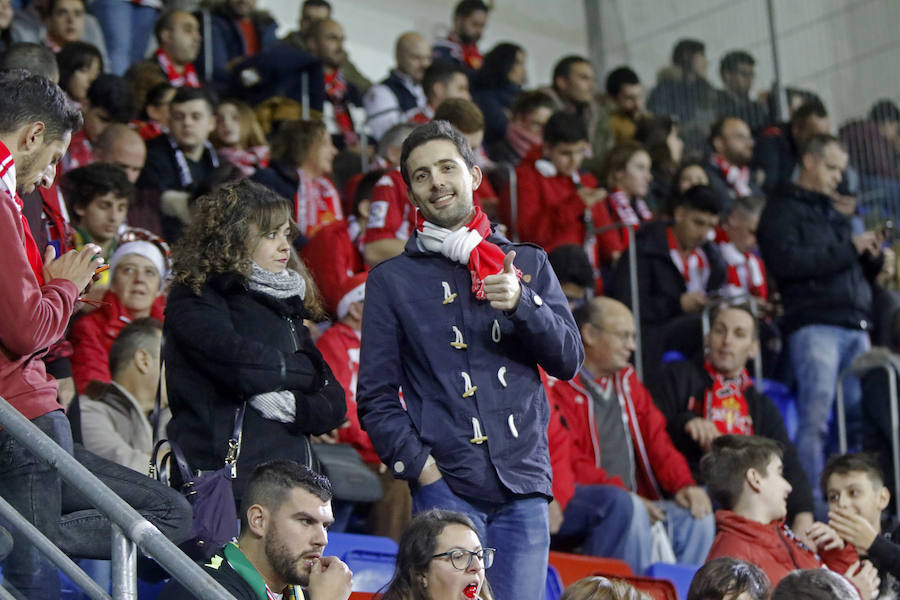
pixel 129 528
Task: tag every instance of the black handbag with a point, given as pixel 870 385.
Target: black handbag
pixel 351 480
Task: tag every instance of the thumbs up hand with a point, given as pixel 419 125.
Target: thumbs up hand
pixel 503 290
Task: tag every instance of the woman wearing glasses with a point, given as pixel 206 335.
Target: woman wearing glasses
pixel 440 558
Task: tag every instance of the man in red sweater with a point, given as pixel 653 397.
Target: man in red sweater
pixel 744 475
pixel 615 465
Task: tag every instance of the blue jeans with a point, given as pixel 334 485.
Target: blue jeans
pixel 61 513
pixel 518 529
pixel 818 354
pixel 126 28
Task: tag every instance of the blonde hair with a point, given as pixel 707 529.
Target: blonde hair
pixel 601 588
pixel 251 131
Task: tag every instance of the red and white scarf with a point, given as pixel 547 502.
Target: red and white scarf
pixel 316 203
pixel 738 178
pixel 336 92
pixel 746 273
pixel 628 214
pixel 725 403
pixel 8 179
pixel 695 269
pixel 468 246
pixel 249 160
pixel 186 78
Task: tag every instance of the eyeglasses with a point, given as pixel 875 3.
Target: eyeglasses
pixel 462 559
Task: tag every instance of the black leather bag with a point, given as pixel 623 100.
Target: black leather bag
pixel 351 479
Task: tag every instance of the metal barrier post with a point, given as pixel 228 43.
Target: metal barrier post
pixel 513 203
pixel 635 302
pixel 124 566
pixel 304 91
pixel 895 435
pixel 781 97
pixel 4 595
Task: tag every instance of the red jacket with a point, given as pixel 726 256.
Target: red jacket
pixel 339 346
pixel 332 257
pixel 391 214
pixel 773 547
pixel 93 335
pixel 660 467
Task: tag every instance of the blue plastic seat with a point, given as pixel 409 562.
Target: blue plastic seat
pixel 785 401
pixel 339 544
pixel 372 571
pixel 680 575
pixel 553 589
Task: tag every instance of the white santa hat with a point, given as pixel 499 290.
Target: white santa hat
pixel 147 250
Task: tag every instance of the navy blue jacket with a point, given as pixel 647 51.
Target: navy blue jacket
pixel 406 343
pixel 494 102
pixel 228 44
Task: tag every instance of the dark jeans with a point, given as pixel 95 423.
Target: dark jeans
pixel 65 516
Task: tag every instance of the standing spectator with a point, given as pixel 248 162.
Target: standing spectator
pixel 326 42
pixel 473 434
pixel 442 80
pixel 123 147
pixel 779 149
pixel 234 333
pixel 461 44
pixel 738 70
pixel 67 21
pixel 573 90
pixel 108 101
pixel 127 27
pixel 824 274
pixel 659 135
pixel 530 112
pixel 627 174
pixel 239 138
pixel 496 84
pixel 874 148
pixel 237 30
pixel 114 416
pixel 737 243
pixel 79 65
pixel 624 104
pixel 388 102
pixel 729 162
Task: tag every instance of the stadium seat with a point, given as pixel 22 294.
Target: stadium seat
pixel 572 567
pixel 670 356
pixel 360 596
pixel 339 544
pixel 554 587
pixel 371 570
pixel 680 575
pixel 785 401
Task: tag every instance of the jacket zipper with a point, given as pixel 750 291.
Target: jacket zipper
pixel 293 333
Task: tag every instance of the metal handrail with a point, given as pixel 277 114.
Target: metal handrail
pixel 513 183
pixel 127 522
pixel 754 310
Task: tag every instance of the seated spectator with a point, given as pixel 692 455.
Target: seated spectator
pixel 729 163
pixel 29 25
pixel 154 110
pixel 108 101
pixel 440 558
pixel 442 81
pixel 689 174
pixel 495 86
pixel 874 148
pixel 557 203
pixel 122 146
pixel 620 111
pixel 729 579
pixel 743 475
pixel 285 516
pixel 239 138
pixel 302 160
pixel 679 267
pixel 574 272
pixel 622 474
pixel 127 27
pixel 32 57
pixel 713 395
pixel 237 30
pixel 822 584
pixel 778 150
pixel 601 588
pixel 388 102
pixel 6 18
pixel 177 162
pixel 627 174
pixel 659 136
pixel 461 43
pixel 737 243
pixel 234 334
pixel 530 111
pixel 737 70
pixel 114 416
pixel 572 89
pixel 79 65
pixel 64 23
pixel 135 291
pixel 857 497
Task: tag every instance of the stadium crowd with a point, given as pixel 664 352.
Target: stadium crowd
pixel 437 271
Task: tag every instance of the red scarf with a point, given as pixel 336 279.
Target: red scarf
pixel 468 53
pixel 738 178
pixel 255 157
pixel 336 91
pixel 8 179
pixel 695 270
pixel 626 212
pixel 725 403
pixel 486 258
pixel 520 139
pixel 187 78
pixel 316 204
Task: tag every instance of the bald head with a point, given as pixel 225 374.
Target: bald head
pixel 121 145
pixel 607 330
pixel 326 42
pixel 413 55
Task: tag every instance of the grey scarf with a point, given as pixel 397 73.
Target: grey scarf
pixel 282 285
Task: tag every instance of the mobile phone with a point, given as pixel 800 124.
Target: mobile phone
pixel 100 269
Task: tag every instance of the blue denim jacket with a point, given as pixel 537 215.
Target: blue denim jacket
pixel 469 373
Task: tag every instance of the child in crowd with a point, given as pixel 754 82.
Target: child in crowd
pixel 239 138
pixel 729 579
pixel 601 588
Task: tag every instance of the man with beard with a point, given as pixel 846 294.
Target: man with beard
pixel 461 44
pixel 285 515
pixel 728 166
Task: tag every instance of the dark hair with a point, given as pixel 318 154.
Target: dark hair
pixel 436 130
pixel 494 71
pixel 619 78
pixel 571 265
pixel 51 5
pixel 155 96
pixel 316 3
pixel 728 577
pixel 811 108
pixel 272 481
pixel 734 305
pixel 466 7
pixel 462 114
pixel 715 130
pixel 816 144
pixel 113 94
pixel 294 140
pixel 27 98
pixel 675 188
pixel 725 466
pixel 189 94
pixel 564 66
pixel 530 101
pixel 749 205
pixel 75 56
pixel 882 111
pixel 80 186
pixel 165 21
pixel 36 58
pixel 653 133
pixel 814 584
pixel 564 128
pixel 140 334
pixel 703 198
pixel 364 188
pixel 618 158
pixel 731 61
pixel 416 547
pixel 847 463
pixel 440 71
pixel 684 51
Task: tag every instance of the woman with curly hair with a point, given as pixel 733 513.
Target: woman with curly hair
pixel 234 333
pixel 440 558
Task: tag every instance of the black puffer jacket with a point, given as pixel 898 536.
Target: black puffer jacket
pixel 227 345
pixel 807 246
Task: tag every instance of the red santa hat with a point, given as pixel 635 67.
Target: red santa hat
pixel 352 290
